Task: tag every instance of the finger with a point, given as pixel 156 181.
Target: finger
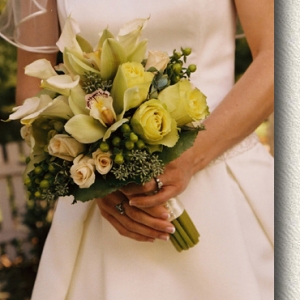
pixel 134 223
pixel 147 201
pixel 123 231
pixel 143 217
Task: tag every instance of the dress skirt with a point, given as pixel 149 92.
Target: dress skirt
pixel 86 258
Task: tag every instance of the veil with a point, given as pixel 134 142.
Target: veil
pixel 31 25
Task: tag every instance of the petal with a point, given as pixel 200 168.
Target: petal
pixel 77 101
pixel 85 129
pixel 78 65
pixel 138 52
pixel 58 108
pixel 113 54
pixel 30 106
pixel 130 33
pixel 61 84
pixel 68 36
pixel 113 128
pixel 171 139
pixel 40 68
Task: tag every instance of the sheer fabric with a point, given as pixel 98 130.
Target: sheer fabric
pixel 31 25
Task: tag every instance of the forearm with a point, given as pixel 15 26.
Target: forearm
pixel 245 107
pixel 28 86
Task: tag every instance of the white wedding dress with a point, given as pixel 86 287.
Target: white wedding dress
pixel 230 201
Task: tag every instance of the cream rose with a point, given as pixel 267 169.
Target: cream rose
pixel 158 60
pixel 102 161
pixel 65 147
pixel 26 134
pixel 154 124
pixel 83 171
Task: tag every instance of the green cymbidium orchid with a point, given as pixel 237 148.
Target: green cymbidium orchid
pixel 85 129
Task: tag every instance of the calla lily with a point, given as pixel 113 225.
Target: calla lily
pixel 85 129
pixel 57 108
pixel 130 33
pixel 68 36
pixel 40 68
pixel 30 106
pixel 61 83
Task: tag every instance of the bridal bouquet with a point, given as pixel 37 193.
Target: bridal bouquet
pixel 108 116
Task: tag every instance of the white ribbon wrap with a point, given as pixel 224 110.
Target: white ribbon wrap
pixel 175 208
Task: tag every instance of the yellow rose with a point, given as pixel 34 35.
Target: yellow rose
pixel 130 87
pixel 82 171
pixel 158 60
pixel 154 124
pixel 102 161
pixel 65 147
pixel 185 102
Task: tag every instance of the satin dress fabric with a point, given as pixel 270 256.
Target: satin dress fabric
pixel 230 201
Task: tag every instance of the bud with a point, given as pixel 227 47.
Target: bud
pixel 38 170
pixel 116 141
pixel 133 137
pixel 192 68
pixel 125 128
pixel 104 147
pixel 119 159
pixel 177 68
pixel 186 51
pixel 129 145
pixel 44 184
pixel 140 144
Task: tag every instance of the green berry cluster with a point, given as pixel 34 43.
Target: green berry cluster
pixel 173 73
pixel 49 179
pixel 176 69
pixel 121 142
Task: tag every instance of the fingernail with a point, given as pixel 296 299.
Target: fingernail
pixel 164 237
pixel 165 216
pixel 131 203
pixel 170 229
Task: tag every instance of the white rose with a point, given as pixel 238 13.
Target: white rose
pixel 82 171
pixel 103 161
pixel 65 147
pixel 158 60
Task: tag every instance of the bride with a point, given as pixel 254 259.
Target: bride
pixel 225 180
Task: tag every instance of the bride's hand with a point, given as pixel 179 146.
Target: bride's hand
pixel 175 179
pixel 141 225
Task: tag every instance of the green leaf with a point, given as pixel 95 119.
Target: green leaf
pixel 186 140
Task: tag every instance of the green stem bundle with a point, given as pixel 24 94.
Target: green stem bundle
pixel 186 235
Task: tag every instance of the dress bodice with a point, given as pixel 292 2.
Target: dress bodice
pixel 210 32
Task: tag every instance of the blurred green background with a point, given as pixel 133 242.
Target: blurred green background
pixel 17 275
